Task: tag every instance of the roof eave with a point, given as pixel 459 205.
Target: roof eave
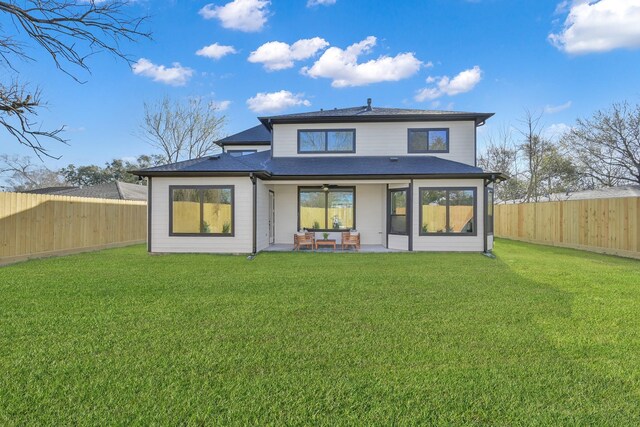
pixel 222 144
pixel 143 173
pixel 478 118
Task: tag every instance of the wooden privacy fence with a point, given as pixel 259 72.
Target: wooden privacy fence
pixel 33 225
pixel 601 225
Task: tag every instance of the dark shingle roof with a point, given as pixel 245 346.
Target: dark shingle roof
pixel 257 135
pixel 262 163
pixel 366 113
pixel 50 190
pixel 110 190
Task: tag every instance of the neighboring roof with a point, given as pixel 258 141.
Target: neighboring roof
pixel 257 135
pixel 49 190
pixel 132 191
pixel 265 166
pixel 369 113
pixel 600 193
pixel 111 190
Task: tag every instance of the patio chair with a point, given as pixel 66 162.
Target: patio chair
pixel 303 239
pixel 351 239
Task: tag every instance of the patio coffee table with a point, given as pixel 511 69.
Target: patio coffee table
pixel 328 242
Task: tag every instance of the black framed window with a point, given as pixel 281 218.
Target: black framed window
pixel 326 209
pixel 201 210
pixel 428 140
pixel 448 211
pixel 238 153
pixel 398 211
pixel 489 210
pixel 327 141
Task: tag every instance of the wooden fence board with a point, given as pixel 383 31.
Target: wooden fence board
pixel 602 225
pixel 40 224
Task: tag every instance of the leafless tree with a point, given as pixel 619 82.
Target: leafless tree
pixel 182 130
pixel 501 155
pixel 69 31
pixel 607 146
pixel 21 173
pixel 533 147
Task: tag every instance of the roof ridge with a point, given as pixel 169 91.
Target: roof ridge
pixel 119 190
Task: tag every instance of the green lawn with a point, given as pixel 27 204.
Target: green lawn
pixel 537 336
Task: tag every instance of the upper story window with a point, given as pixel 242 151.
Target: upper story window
pixel 327 141
pixel 428 140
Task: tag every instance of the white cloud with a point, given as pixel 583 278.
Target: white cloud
pixel 221 105
pixel 463 82
pixel 551 109
pixel 556 130
pixel 176 75
pixel 278 55
pixel 311 3
pixel 598 26
pixel 276 101
pixel 342 66
pixel 242 15
pixel 215 51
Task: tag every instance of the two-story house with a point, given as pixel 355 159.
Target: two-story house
pixel 404 179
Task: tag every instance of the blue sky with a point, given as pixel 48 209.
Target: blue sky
pixel 568 58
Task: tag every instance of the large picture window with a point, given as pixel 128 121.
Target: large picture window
pixel 398 211
pixel 325 208
pixel 448 211
pixel 327 141
pixel 428 141
pixel 201 210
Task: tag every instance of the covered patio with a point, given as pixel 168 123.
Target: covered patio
pixel 281 247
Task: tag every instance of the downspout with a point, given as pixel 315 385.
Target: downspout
pixel 254 181
pixel 485 235
pixel 149 208
pixel 410 204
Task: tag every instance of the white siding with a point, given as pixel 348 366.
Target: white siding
pixel 241 242
pixel 228 147
pixel 370 218
pixel 448 243
pixel 262 217
pixel 286 212
pixel 398 242
pixel 382 139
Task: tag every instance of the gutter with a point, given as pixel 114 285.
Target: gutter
pixel 476 117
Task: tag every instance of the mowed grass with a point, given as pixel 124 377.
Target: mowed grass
pixel 538 336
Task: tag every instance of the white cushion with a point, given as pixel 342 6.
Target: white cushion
pixel 354 233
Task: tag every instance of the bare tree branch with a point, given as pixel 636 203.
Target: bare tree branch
pixel 182 130
pixel 67 30
pixel 607 146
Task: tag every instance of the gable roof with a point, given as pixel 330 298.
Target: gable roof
pixel 369 113
pixel 263 165
pixel 257 135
